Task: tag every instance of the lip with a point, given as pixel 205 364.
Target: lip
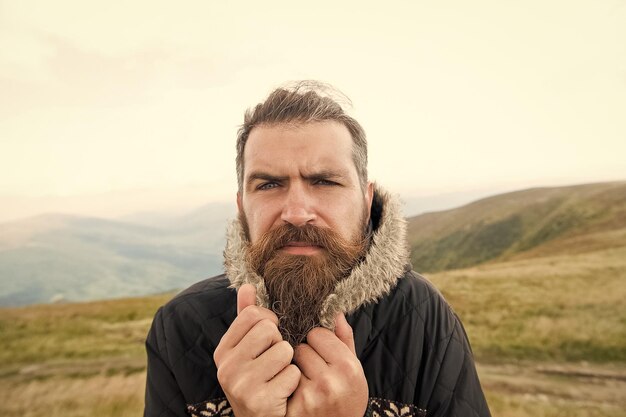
pixel 301 248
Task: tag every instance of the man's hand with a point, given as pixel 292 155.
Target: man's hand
pixel 254 362
pixel 332 381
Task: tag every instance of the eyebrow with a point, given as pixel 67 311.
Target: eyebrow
pixel 324 174
pixel 264 176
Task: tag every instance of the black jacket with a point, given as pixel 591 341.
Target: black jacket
pixel 413 348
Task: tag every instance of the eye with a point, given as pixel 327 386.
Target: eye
pixel 325 182
pixel 267 186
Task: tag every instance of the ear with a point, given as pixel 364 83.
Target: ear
pixel 239 202
pixel 369 197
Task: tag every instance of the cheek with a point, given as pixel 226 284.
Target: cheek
pixel 349 220
pixel 259 221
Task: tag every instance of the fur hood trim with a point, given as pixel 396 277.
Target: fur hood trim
pixel 384 263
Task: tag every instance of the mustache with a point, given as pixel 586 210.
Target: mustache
pixel 312 235
pixel 275 239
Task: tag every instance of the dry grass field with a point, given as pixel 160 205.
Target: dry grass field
pixel 84 359
pixel 549 334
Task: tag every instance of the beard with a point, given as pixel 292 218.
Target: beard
pixel 297 285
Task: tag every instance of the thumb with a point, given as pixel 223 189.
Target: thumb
pixel 246 296
pixel 343 331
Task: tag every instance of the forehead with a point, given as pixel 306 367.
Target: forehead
pixel 303 146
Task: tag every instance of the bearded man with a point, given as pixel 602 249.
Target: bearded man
pixel 319 312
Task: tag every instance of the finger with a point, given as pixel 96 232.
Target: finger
pixel 328 345
pixel 274 360
pixel 344 332
pixel 309 361
pixel 240 327
pixel 285 382
pixel 304 398
pixel 246 296
pixel 260 338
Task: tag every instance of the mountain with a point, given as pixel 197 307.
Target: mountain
pixel 207 216
pixel 515 225
pixel 58 257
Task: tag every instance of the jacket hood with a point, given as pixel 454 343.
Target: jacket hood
pixel 386 260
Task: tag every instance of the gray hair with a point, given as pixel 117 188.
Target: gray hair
pixel 303 102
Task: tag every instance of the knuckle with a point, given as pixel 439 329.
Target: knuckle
pixel 295 371
pixel 313 335
pixel 223 376
pixel 326 386
pixel 217 356
pixel 238 389
pixel 251 313
pixel 352 369
pixel 311 400
pixel 286 349
pixel 219 353
pixel 267 328
pixel 266 324
pixel 255 313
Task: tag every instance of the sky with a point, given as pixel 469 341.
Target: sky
pixel 121 101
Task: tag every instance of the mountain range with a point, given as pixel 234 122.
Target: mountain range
pixel 57 257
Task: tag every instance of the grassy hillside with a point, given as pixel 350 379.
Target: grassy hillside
pixel 542 220
pixel 561 308
pixel 43 334
pixel 549 334
pixel 75 359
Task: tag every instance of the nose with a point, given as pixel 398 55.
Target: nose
pixel 298 208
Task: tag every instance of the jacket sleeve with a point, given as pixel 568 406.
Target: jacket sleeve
pixel 456 390
pixel 163 395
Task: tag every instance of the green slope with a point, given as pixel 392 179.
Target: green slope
pixel 532 222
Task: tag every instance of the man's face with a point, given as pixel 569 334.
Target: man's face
pixel 305 213
pixel 302 174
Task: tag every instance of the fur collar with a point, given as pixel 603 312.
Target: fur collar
pixel 371 279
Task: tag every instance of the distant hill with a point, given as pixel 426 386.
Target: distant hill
pixel 69 258
pixel 58 257
pixel 533 222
